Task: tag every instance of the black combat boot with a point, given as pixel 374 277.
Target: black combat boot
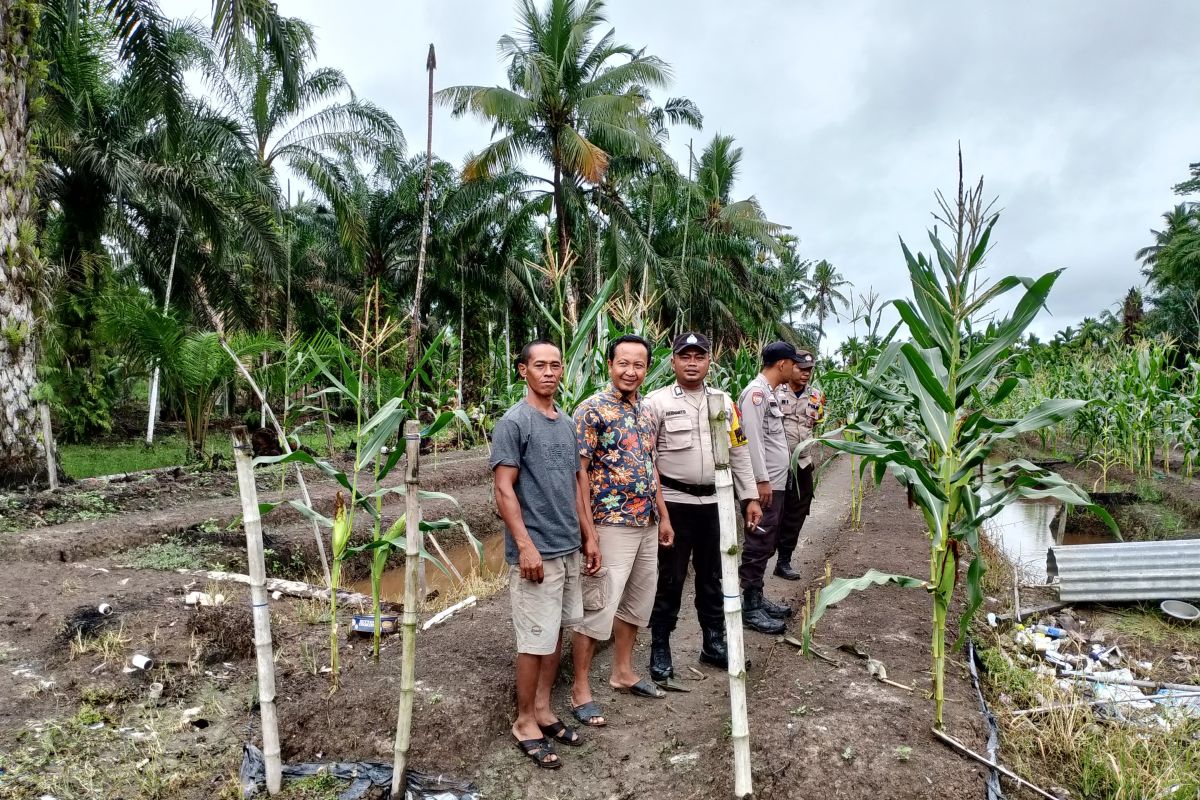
pixel 660 655
pixel 776 610
pixel 783 567
pixel 713 651
pixel 755 616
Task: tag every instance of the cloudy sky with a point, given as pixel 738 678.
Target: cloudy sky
pixel 1080 115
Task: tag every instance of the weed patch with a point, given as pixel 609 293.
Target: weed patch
pixel 171 554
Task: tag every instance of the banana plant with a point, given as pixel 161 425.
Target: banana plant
pixel 945 382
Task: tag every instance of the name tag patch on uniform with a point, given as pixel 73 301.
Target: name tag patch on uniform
pixel 756 397
pixel 676 413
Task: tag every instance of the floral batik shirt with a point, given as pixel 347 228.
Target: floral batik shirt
pixel 616 440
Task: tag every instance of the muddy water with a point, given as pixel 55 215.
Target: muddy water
pixel 463 556
pixel 1023 531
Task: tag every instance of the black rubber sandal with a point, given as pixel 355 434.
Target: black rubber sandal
pixel 561 733
pixel 538 750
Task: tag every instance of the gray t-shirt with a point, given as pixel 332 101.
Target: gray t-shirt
pixel 543 450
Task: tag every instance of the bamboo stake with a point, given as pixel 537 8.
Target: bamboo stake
pixel 412 602
pixel 243 456
pixel 51 447
pixel 740 729
pixel 287 448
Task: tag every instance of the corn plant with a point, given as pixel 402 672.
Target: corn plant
pixel 944 382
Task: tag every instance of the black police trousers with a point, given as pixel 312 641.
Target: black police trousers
pixel 796 504
pixel 698 541
pixel 759 546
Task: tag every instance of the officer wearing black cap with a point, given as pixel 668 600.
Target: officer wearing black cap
pixel 686 471
pixel 769 453
pixel 801 408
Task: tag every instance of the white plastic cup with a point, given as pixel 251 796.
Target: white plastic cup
pixel 105 609
pixel 142 661
pixel 156 690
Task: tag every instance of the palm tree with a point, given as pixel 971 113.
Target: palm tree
pixel 19 447
pixel 574 101
pixel 137 30
pixel 1180 219
pixel 826 296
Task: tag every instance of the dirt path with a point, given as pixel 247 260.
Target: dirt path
pixel 816 730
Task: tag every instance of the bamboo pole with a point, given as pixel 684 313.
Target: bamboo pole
pixel 740 730
pixel 51 447
pixel 412 602
pixel 328 426
pixel 243 456
pixel 287 448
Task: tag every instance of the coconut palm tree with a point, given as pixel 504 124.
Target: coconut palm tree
pixel 575 99
pixel 826 297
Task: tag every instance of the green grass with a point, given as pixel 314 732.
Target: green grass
pixel 1147 622
pixel 318 787
pixel 172 554
pixel 90 460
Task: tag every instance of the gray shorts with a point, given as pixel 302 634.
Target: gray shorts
pixel 541 610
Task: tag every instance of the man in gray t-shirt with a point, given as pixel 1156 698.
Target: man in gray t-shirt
pixel 539 493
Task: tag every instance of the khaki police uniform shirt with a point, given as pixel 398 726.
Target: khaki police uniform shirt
pixel 797 425
pixel 683 443
pixel 766 441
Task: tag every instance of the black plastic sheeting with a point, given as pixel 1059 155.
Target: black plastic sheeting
pixel 364 777
pixel 993 741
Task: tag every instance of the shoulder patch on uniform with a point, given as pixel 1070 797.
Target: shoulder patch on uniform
pixel 756 397
pixel 678 390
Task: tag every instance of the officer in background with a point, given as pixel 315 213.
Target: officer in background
pixel 801 409
pixel 762 419
pixel 686 471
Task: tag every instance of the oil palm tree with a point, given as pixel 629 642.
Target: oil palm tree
pixel 137 30
pixel 826 296
pixel 575 99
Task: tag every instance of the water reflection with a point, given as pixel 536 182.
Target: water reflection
pixel 462 555
pixel 1024 531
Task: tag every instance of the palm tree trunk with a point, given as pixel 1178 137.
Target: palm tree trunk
pixel 152 418
pixel 414 336
pixel 19 448
pixel 560 221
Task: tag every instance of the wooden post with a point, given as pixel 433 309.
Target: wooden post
pixel 51 447
pixel 412 604
pixel 243 456
pixel 726 505
pixel 1061 533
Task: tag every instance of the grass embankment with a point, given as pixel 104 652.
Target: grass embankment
pixel 111 458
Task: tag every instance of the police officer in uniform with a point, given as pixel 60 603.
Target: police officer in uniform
pixel 686 471
pixel 762 419
pixel 801 409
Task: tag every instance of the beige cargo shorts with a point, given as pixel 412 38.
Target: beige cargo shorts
pixel 541 610
pixel 625 586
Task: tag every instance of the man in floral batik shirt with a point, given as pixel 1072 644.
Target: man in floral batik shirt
pixel 616 450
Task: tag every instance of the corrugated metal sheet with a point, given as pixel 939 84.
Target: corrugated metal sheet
pixel 1126 571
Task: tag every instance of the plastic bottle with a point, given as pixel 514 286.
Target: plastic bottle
pixel 1051 631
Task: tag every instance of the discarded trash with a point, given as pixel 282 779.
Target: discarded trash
pixel 363 776
pixel 1180 610
pixel 684 759
pixel 442 616
pixel 204 599
pixel 155 691
pixel 365 623
pixel 141 661
pixel 276 595
pixel 105 609
pixel 1052 632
